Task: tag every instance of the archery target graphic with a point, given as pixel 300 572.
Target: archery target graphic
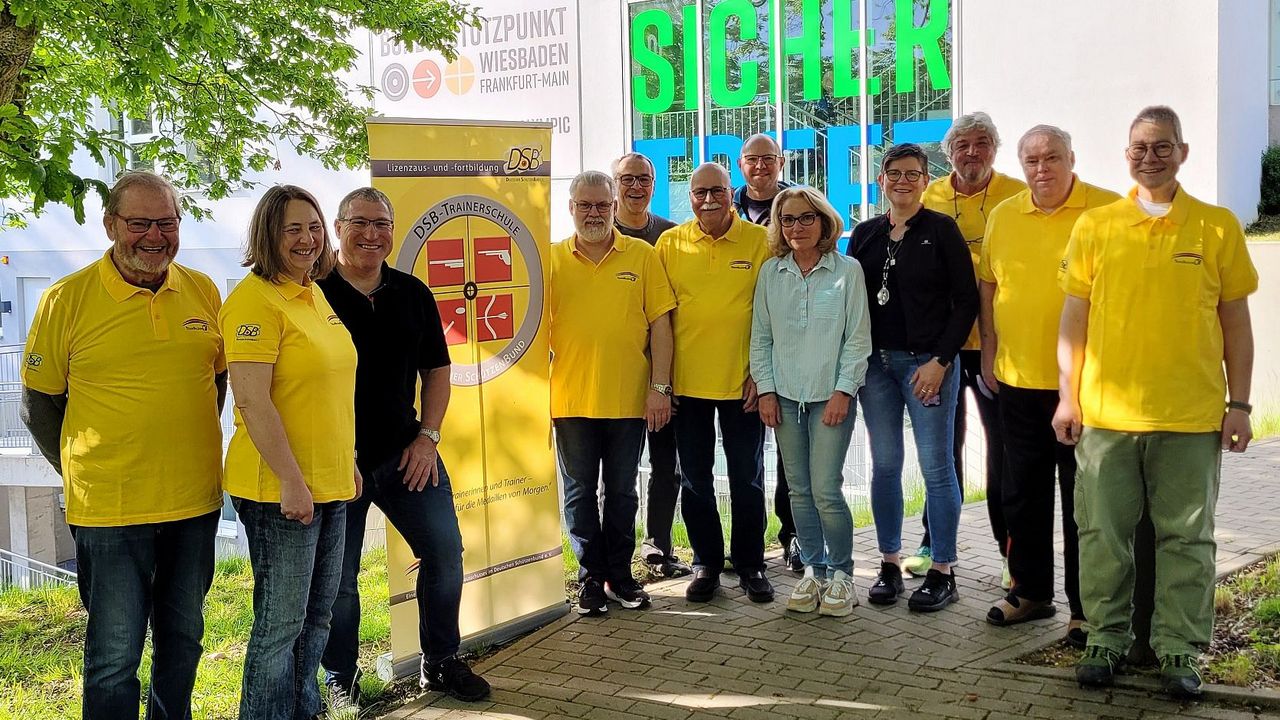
pixel 483 266
pixel 395 81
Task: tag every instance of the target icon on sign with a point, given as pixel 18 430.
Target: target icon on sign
pixel 395 81
pixel 486 273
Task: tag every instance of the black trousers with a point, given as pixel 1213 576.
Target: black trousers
pixel 782 506
pixel 1033 457
pixel 663 494
pixel 989 414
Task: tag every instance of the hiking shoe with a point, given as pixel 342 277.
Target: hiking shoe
pixel 703 586
pixel 1012 610
pixel 917 565
pixel 756 585
pixel 627 593
pixel 454 677
pixel 937 592
pixel 888 585
pixel 792 556
pixel 668 566
pixel 1006 578
pixel 1098 667
pixel 840 597
pixel 1180 676
pixel 1077 636
pixel 344 694
pixel 804 599
pixel 591 598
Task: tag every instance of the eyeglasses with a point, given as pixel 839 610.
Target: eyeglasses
pixel 896 175
pixel 643 181
pixel 766 160
pixel 1138 151
pixel 601 208
pixel 702 193
pixel 360 224
pixel 805 219
pixel 140 225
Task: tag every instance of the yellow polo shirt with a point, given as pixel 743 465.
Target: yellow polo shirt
pixel 1021 253
pixel 600 317
pixel 715 281
pixel 313 386
pixel 141 439
pixel 971 213
pixel 1153 359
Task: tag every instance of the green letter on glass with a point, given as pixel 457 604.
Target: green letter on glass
pixel 927 37
pixel 649 60
pixel 718 55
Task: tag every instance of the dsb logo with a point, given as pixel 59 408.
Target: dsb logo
pixel 248 331
pixel 525 159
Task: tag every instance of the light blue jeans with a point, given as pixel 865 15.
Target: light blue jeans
pixel 813 457
pixel 887 392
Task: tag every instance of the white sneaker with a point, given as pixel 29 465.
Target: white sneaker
pixel 804 598
pixel 840 596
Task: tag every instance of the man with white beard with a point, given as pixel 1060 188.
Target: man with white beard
pixel 712 262
pixel 610 382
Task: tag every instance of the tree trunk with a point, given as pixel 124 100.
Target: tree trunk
pixel 16 44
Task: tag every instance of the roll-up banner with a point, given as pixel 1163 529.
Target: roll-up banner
pixel 472 209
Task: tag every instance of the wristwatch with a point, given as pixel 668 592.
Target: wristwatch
pixel 433 435
pixel 661 389
pixel 944 362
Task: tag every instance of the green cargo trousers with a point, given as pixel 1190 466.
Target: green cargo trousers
pixel 1176 475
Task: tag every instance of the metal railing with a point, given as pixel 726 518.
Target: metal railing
pixel 24 573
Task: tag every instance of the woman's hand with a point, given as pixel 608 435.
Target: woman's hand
pixel 837 409
pixel 770 413
pixel 295 502
pixel 926 381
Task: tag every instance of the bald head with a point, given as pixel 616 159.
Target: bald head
pixel 709 174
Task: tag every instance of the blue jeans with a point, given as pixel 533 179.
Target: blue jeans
pixel 127 575
pixel 295 578
pixel 813 455
pixel 427 521
pixel 591 451
pixel 887 391
pixel 743 436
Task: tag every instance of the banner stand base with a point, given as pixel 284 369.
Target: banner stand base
pixel 389 670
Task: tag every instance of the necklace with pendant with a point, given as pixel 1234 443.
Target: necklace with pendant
pixel 891 252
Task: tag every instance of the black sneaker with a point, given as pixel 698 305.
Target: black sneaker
pixel 344 694
pixel 703 586
pixel 454 677
pixel 794 563
pixel 756 585
pixel 937 592
pixel 591 599
pixel 888 585
pixel 627 593
pixel 674 567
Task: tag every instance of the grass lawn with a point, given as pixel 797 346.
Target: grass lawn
pixel 42 635
pixel 1265 229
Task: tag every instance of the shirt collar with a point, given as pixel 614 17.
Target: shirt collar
pixel 1075 199
pixel 787 263
pixel 289 289
pixel 949 191
pixel 120 289
pixel 619 242
pixel 1178 210
pixel 730 234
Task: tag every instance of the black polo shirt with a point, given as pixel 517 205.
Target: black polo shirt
pixel 396 330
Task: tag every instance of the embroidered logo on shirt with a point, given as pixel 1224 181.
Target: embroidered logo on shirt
pixel 628 276
pixel 741 265
pixel 196 324
pixel 1188 258
pixel 1063 265
pixel 34 360
pixel 335 320
pixel 248 332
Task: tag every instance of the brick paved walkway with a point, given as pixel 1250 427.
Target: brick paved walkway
pixel 732 658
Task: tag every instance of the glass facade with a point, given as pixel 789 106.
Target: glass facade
pixel 840 79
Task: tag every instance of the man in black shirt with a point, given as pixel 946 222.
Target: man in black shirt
pixel 396 329
pixel 633 177
pixel 761 164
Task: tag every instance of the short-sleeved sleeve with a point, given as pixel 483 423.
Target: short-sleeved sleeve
pixel 47 356
pixel 659 298
pixel 1239 276
pixel 1075 274
pixel 252 330
pixel 433 351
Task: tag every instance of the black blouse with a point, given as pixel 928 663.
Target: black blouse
pixel 933 295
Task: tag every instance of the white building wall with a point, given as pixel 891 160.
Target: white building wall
pixel 1089 66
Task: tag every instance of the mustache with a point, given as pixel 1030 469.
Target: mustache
pixel 713 205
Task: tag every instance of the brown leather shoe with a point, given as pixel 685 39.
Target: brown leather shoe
pixel 1011 610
